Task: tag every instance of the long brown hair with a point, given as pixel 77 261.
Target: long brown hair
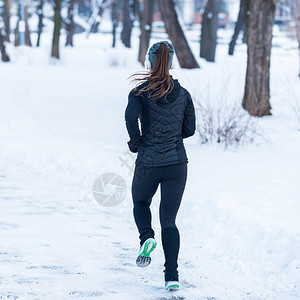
pixel 160 81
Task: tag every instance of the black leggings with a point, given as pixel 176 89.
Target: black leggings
pixel 172 180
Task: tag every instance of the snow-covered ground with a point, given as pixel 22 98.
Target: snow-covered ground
pixel 62 126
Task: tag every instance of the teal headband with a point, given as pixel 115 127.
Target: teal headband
pixel 153 49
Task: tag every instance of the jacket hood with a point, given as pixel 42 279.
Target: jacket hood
pixel 171 96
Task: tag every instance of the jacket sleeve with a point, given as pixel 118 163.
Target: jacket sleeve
pixel 189 119
pixel 132 112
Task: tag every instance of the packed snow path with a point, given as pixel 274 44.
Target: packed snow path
pixel 56 248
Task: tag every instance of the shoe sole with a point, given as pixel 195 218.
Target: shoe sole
pixel 173 287
pixel 144 259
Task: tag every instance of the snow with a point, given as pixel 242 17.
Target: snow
pixel 62 126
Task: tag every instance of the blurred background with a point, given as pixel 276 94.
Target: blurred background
pixel 24 22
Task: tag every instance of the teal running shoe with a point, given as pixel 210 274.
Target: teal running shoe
pixel 144 259
pixel 172 285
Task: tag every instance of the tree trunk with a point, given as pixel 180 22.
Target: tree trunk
pixel 115 20
pixel 246 9
pixel 297 19
pixel 40 25
pixel 238 27
pixel 209 29
pixel 4 56
pixel 96 17
pixel 146 24
pixel 70 23
pixel 259 40
pixel 7 8
pixel 57 26
pixel 127 22
pixel 176 35
pixel 17 34
pixel 27 31
pixel 95 25
pixel 20 27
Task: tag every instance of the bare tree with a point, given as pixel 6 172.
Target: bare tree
pixel 57 27
pixel 146 26
pixel 238 27
pixel 6 17
pixel 259 24
pixel 4 55
pixel 128 17
pixel 297 19
pixel 96 16
pixel 209 29
pixel 27 31
pixel 70 25
pixel 40 25
pixel 115 20
pixel 176 35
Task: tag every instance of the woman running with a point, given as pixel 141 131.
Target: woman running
pixel 166 112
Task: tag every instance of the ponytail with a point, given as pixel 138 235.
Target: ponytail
pixel 160 81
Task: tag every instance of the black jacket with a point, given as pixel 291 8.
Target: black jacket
pixel 164 125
